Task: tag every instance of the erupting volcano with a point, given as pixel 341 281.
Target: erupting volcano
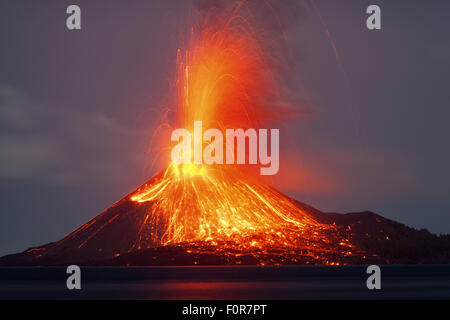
pixel 225 80
pixel 229 212
pixel 221 214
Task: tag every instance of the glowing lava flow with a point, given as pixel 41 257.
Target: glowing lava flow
pixel 223 210
pixel 214 204
pixel 224 80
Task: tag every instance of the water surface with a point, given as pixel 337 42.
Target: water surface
pixel 227 282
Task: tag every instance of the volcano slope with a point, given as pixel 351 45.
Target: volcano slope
pixel 187 216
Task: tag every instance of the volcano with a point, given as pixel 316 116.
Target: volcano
pixel 188 216
pixel 230 76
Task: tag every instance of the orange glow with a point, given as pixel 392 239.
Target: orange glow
pixel 224 80
pixel 222 208
pixel 224 77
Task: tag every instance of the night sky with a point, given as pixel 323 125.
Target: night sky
pixel 78 109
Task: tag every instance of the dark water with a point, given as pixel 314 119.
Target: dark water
pixel 230 282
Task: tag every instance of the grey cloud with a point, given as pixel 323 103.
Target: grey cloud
pixel 62 145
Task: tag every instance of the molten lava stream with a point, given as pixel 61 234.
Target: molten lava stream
pixel 225 79
pixel 218 206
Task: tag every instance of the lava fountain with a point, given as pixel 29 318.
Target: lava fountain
pixel 225 80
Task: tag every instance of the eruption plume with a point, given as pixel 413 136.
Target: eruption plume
pixel 225 80
pixel 228 77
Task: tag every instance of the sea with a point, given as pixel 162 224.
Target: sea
pixel 398 282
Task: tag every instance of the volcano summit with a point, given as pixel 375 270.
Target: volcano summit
pixel 191 215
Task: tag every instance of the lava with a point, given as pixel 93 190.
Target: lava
pixel 223 209
pixel 215 151
pixel 224 80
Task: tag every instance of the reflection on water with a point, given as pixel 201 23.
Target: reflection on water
pixel 233 282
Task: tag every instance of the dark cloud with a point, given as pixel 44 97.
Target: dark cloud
pixel 45 143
